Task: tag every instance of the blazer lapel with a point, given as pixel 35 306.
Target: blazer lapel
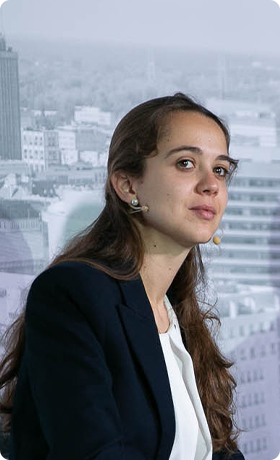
pixel 139 323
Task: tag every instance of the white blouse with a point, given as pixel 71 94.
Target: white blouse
pixel 192 437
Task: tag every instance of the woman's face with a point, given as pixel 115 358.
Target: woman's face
pixel 176 181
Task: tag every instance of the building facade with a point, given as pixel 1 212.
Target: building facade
pixel 40 149
pixel 76 139
pixel 250 337
pixel 250 249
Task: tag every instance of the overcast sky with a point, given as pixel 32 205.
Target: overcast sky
pixel 232 25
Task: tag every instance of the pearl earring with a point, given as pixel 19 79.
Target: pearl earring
pixel 135 208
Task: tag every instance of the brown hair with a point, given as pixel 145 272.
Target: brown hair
pixel 115 232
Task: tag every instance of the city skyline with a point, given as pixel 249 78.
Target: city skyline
pixel 70 104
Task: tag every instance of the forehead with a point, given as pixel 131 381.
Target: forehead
pixel 191 126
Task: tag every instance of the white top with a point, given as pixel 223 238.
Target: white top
pixel 192 437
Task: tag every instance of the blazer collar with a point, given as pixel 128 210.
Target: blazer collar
pixel 135 297
pixel 140 326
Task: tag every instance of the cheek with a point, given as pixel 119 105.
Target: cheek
pixel 225 198
pixel 171 203
pixel 157 191
pixel 169 197
pixel 176 195
pixel 161 191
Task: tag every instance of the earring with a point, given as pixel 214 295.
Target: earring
pixel 217 239
pixel 135 208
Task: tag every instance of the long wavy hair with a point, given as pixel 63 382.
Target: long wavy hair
pixel 113 244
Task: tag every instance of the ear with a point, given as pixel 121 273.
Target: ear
pixel 123 185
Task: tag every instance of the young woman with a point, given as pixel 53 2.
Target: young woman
pixel 113 356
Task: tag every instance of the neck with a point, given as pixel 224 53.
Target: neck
pixel 157 273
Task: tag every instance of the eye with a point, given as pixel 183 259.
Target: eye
pixel 185 161
pixel 226 171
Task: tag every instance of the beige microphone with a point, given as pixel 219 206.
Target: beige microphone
pixel 217 239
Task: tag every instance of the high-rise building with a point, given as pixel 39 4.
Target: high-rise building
pixel 250 337
pixel 10 136
pixel 250 249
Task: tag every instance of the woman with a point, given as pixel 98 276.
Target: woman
pixel 113 357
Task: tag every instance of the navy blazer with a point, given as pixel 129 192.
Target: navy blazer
pixel 93 383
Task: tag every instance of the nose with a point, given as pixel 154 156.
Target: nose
pixel 208 183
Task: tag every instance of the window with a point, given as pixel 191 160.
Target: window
pixel 263 350
pixel 243 354
pixel 252 446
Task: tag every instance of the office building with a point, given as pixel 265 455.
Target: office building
pixel 249 336
pixel 249 252
pixel 40 148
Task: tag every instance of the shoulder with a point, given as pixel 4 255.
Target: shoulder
pixel 71 269
pixel 69 274
pixel 79 282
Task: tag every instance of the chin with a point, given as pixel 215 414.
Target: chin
pixel 204 240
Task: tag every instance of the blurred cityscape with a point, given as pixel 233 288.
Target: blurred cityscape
pixel 59 106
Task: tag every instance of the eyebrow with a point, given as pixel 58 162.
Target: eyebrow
pixel 200 152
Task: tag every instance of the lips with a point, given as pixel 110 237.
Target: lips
pixel 205 208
